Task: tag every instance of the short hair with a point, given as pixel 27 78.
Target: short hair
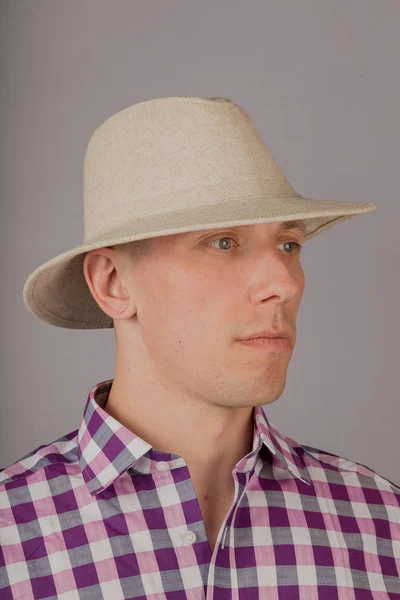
pixel 136 249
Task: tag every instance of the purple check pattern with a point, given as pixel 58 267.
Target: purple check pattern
pixel 100 514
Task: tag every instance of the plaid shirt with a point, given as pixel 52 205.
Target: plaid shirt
pixel 99 513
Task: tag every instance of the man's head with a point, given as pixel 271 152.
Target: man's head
pixel 180 303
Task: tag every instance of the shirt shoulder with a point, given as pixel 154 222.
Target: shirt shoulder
pixel 54 456
pixel 343 468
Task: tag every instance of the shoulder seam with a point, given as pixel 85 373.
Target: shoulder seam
pixel 42 460
pixel 373 474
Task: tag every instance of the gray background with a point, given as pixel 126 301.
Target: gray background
pixel 320 80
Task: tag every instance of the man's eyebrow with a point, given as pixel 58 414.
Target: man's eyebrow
pixel 286 225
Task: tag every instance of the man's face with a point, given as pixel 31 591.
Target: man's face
pixel 196 294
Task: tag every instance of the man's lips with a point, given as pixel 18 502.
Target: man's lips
pixel 282 333
pixel 277 344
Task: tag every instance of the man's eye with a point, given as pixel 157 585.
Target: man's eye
pixel 217 239
pixel 298 247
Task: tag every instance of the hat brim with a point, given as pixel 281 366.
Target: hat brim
pixel 57 292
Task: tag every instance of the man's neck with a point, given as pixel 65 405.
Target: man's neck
pixel 211 439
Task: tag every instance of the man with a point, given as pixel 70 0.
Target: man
pixel 179 315
pixel 176 484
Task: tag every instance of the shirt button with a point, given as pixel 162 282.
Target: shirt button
pixel 190 537
pixel 162 466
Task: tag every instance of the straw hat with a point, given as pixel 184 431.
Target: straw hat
pixel 167 166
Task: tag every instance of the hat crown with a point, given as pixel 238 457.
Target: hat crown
pixel 174 153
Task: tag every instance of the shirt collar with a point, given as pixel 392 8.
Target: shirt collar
pixel 106 448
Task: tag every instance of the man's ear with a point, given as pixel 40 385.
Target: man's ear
pixel 103 271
